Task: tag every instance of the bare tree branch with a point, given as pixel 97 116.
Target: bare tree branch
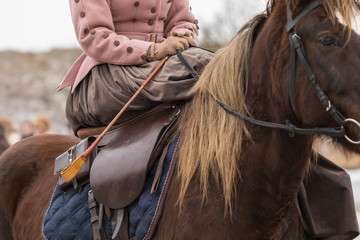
pixel 228 20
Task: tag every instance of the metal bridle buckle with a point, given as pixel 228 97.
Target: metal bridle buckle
pixel 358 124
pixel 295 36
pixel 329 106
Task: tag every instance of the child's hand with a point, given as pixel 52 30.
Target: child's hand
pixel 167 47
pixel 189 36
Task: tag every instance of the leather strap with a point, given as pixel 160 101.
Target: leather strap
pixel 324 100
pixel 159 168
pixel 292 22
pixel 188 66
pixel 116 221
pixel 296 47
pixel 120 224
pixel 334 132
pixel 94 217
pixel 290 28
pixel 292 73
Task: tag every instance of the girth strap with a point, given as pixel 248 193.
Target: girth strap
pixel 94 216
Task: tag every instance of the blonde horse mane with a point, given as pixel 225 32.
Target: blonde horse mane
pixel 211 140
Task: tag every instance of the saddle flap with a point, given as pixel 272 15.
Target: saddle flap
pixel 119 170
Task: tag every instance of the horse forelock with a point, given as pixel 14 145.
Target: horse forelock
pixel 347 10
pixel 211 140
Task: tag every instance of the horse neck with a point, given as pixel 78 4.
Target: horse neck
pixel 273 168
pixel 274 164
pixel 272 172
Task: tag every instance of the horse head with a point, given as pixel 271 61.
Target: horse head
pixel 312 61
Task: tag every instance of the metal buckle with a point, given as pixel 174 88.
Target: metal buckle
pixel 71 154
pixel 155 37
pixel 358 125
pixel 295 36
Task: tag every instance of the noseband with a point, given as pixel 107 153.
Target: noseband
pixel 296 47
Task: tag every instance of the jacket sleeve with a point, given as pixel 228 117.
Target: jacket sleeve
pixel 180 17
pixel 95 33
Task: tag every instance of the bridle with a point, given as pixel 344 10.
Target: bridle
pixel 296 48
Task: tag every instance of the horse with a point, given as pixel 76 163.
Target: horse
pixel 28 181
pixel 290 74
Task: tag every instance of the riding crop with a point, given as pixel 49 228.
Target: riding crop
pixel 70 171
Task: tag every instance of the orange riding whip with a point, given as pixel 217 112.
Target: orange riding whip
pixel 70 171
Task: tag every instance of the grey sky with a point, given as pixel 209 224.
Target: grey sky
pixel 40 25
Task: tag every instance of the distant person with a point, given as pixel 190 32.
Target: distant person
pixel 4 144
pixel 11 134
pixel 41 125
pixel 26 129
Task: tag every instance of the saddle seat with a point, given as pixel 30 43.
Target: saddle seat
pixel 86 132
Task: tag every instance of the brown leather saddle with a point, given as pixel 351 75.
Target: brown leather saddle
pixel 118 167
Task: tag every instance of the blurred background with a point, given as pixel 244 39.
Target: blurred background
pixel 38 46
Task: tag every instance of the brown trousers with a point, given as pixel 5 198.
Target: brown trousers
pixel 107 88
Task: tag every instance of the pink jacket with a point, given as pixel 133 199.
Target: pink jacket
pixel 121 31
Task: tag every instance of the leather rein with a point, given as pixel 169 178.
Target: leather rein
pixel 296 47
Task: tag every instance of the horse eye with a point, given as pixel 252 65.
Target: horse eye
pixel 328 41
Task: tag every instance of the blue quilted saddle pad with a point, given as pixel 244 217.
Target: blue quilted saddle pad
pixel 68 216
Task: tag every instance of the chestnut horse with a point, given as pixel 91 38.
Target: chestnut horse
pixel 246 136
pixel 27 182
